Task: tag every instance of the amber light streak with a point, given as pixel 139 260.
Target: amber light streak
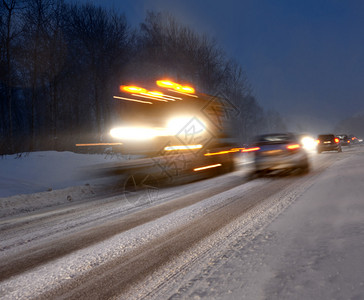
pixel 250 149
pixel 207 167
pixel 223 152
pixel 294 146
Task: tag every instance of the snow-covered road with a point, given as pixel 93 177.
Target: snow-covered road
pixel 291 237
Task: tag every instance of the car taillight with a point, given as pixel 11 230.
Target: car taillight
pixel 317 141
pixel 337 140
pixel 293 146
pixel 250 149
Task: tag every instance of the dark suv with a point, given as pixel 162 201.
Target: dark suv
pixel 328 142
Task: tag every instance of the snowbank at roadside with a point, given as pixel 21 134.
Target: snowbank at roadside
pixel 25 203
pixel 46 171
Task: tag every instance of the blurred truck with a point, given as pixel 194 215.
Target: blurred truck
pixel 171 130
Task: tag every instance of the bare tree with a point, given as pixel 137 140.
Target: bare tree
pixel 9 32
pixel 167 47
pixel 99 46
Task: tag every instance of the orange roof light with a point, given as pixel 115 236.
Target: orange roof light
pixel 186 89
pixel 166 84
pixel 132 89
pixel 176 86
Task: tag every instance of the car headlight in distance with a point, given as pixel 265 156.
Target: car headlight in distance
pixel 135 133
pixel 308 143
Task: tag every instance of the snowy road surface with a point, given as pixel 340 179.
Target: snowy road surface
pixel 228 237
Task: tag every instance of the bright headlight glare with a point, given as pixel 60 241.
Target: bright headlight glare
pixel 308 142
pixel 135 133
pixel 176 125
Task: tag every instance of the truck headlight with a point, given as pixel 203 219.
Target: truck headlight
pixel 188 124
pixel 134 133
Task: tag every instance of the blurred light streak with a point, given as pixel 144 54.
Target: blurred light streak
pixel 132 100
pixel 250 149
pixel 293 147
pixel 223 152
pixel 149 97
pixel 207 167
pixel 182 147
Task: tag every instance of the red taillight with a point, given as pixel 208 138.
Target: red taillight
pixel 250 149
pixel 337 140
pixel 293 146
pixel 348 141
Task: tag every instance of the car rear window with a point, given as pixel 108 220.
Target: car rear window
pixel 326 137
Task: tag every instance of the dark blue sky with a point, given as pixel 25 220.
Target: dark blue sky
pixel 303 58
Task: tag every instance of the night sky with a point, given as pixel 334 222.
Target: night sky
pixel 303 58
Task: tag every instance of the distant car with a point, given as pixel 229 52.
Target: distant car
pixel 328 142
pixel 353 139
pixel 279 151
pixel 344 140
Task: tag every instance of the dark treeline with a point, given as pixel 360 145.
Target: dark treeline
pixel 60 65
pixel 352 125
